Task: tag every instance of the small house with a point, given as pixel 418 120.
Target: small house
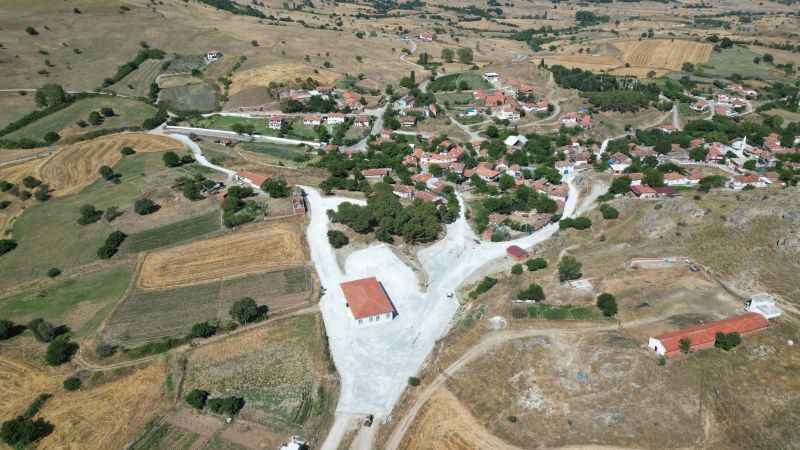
pixel 763 304
pixel 516 253
pixel 704 335
pixel 368 301
pixel 275 122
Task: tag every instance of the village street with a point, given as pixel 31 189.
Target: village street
pixel 374 362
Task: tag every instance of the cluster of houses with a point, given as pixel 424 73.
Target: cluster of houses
pixel 409 113
pixel 276 122
pixel 727 104
pixel 577 119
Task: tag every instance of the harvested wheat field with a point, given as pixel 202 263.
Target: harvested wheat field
pixel 14 173
pixel 259 249
pixel 663 53
pixel 445 424
pixel 76 166
pixel 262 76
pixel 20 384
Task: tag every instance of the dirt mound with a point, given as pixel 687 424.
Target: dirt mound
pixel 259 249
pixel 76 166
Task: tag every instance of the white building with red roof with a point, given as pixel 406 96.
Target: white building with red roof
pixel 368 301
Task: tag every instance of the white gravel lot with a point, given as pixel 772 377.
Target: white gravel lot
pixel 374 362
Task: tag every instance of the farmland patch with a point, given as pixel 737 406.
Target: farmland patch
pixel 137 83
pixel 174 233
pixel 201 96
pixel 663 53
pixel 258 249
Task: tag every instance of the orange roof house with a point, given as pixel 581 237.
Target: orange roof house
pixel 516 253
pixel 367 300
pixel 704 336
pixel 250 177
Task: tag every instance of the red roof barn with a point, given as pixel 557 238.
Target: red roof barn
pixel 704 336
pixel 367 300
pixel 516 253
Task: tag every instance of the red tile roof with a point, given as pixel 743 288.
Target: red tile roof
pixel 516 252
pixel 702 336
pixel 366 298
pixel 255 178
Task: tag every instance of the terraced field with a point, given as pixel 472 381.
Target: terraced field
pixel 137 83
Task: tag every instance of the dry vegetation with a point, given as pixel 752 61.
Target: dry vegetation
pixel 257 249
pixel 104 415
pixel 76 166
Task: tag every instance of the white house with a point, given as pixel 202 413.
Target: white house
pixel 619 162
pixel 763 304
pixel 367 301
pixel 491 77
pixel 275 122
pixel 741 181
pixel 335 119
pixel 213 55
pixel 312 120
pixel 515 140
pixel 294 443
pixel 507 112
pixel 565 167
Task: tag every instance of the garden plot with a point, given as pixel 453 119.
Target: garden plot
pixel 281 371
pixel 258 249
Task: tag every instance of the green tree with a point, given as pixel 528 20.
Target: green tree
pixel 7 329
pixel 620 185
pixel 6 245
pixel 31 182
pixel 276 187
pixel 89 214
pixel 653 178
pixel 448 54
pixel 21 432
pixel 532 292
pixel 506 182
pixel 145 206
pixel 51 137
pixel 516 269
pixel 42 330
pixel 245 310
pixel 727 341
pixel 337 239
pixel 228 406
pixel 59 351
pixel 609 212
pixel 197 399
pixel 95 118
pixel 698 154
pixel 608 304
pixel 50 95
pixel 171 159
pixel 569 269
pixel 685 345
pixel 465 55
pixel 203 330
pixel 107 173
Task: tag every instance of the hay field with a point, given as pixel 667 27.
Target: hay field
pixel 76 166
pixel 662 53
pixel 279 73
pixel 13 106
pixel 101 417
pixel 258 249
pixel 137 83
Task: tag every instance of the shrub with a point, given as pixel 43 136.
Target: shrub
pixel 685 345
pixel 536 264
pixel 482 287
pixel 42 330
pixel 337 238
pixel 4 204
pixel 608 304
pixel 5 186
pixel 569 269
pixel 6 245
pixel 197 399
pixel 413 381
pixel 95 118
pixel 60 351
pixel 72 384
pixel 145 206
pixel 609 212
pixel 532 292
pixel 107 112
pixel 516 269
pixel 171 159
pixel 127 151
pixel 42 193
pixel 8 329
pixel 32 31
pixel 228 406
pixel 31 182
pixel 107 173
pixel 53 272
pixel 51 137
pixel 727 341
pixel 104 350
pixel 203 330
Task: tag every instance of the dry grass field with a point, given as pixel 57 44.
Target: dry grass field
pixel 279 73
pixel 13 106
pixel 76 166
pixel 663 53
pixel 103 416
pixel 262 248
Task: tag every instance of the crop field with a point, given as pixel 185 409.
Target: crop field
pixel 86 419
pixel 137 83
pixel 473 80
pixel 663 53
pixel 190 97
pixel 166 437
pixel 736 60
pixel 226 123
pixel 174 233
pixel 259 249
pixel 49 235
pixel 81 303
pixel 128 113
pixel 281 371
pixel 262 76
pixel 76 166
pixel 275 150
pixel 148 315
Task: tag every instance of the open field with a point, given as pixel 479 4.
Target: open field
pixel 76 166
pixel 257 249
pixel 262 76
pixel 148 315
pixel 736 60
pixel 174 233
pixel 13 106
pixel 282 372
pixel 81 303
pixel 663 53
pixel 127 113
pixel 201 97
pixel 91 418
pixel 137 83
pixel 275 150
pixel 48 233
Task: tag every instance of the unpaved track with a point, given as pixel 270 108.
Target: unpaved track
pixel 486 345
